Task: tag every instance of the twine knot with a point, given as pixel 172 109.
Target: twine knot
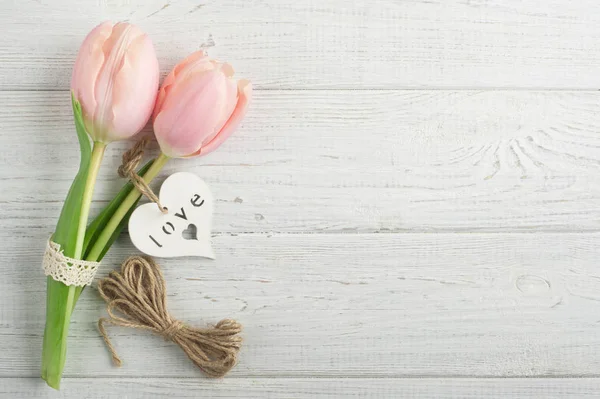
pixel 171 330
pixel 131 160
pixel 139 293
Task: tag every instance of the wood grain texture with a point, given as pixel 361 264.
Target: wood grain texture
pixel 326 43
pixel 335 305
pixel 413 200
pixel 321 388
pixel 322 161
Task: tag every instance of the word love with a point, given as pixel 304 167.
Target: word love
pixel 190 206
pixel 169 228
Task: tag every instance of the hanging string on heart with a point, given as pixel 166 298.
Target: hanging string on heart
pixel 130 162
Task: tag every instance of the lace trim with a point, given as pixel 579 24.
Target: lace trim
pixel 67 270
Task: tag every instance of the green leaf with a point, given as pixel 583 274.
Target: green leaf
pixel 95 228
pixel 59 297
pixel 68 222
pixel 99 223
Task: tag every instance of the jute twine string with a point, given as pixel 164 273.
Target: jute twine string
pixel 139 293
pixel 131 160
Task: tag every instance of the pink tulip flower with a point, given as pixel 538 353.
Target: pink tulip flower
pixel 116 81
pixel 199 105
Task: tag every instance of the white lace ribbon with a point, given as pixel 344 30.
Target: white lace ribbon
pixel 67 270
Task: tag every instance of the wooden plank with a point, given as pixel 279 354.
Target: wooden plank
pixel 356 305
pixel 323 161
pixel 326 43
pixel 295 388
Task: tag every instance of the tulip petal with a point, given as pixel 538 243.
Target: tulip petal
pixel 227 108
pixel 244 97
pixel 115 79
pixel 227 69
pixel 89 61
pixel 134 89
pixel 190 114
pixel 195 63
pixel 171 78
pixel 114 60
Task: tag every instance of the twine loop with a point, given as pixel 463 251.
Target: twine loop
pixel 131 160
pixel 138 292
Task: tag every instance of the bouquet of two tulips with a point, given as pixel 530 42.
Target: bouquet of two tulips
pixel 114 93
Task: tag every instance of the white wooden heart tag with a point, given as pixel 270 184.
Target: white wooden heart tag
pixel 190 207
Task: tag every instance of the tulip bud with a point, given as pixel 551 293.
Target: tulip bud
pixel 116 81
pixel 199 105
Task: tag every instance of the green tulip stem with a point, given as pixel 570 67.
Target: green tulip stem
pixel 55 335
pixel 129 201
pixel 97 153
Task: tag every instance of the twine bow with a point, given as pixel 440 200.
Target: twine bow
pixel 139 293
pixel 130 162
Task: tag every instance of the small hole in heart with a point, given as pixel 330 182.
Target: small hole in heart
pixel 190 233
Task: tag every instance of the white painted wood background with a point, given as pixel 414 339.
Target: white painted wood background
pixel 410 209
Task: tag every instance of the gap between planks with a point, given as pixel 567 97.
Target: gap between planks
pixel 312 388
pixel 262 376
